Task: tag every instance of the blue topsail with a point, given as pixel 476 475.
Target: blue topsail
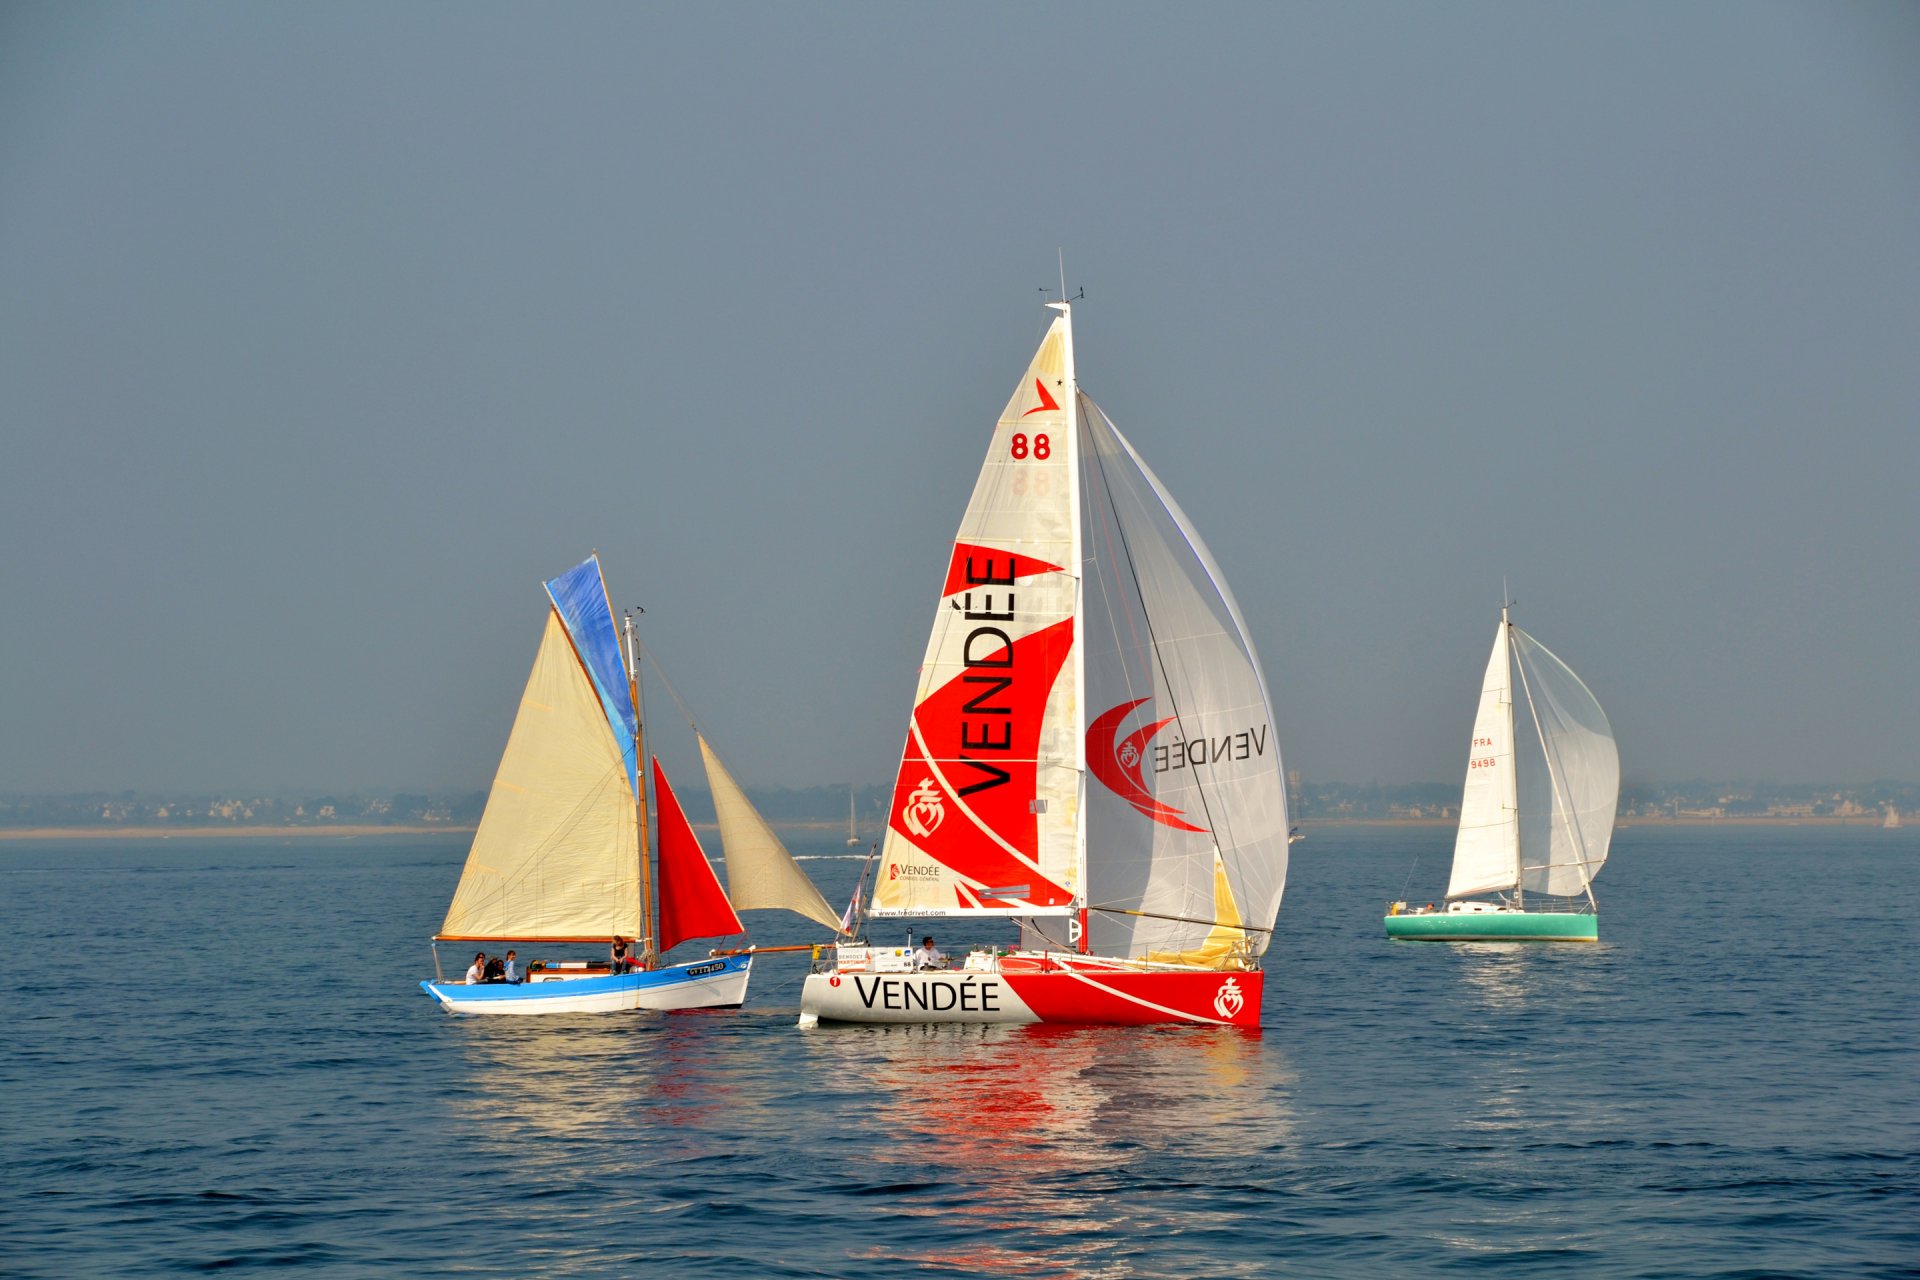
pixel 580 594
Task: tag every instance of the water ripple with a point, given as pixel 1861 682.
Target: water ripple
pixel 1720 1089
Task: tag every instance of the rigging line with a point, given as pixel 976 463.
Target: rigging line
pixel 1106 597
pixel 1156 915
pixel 1133 572
pixel 1557 778
pixel 660 674
pixel 1054 943
pixel 1204 557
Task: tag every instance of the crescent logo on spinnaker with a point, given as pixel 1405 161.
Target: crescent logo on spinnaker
pixel 924 809
pixel 1230 1000
pixel 1118 765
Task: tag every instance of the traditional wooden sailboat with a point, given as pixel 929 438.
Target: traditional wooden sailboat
pixel 561 852
pixel 1536 814
pixel 1090 753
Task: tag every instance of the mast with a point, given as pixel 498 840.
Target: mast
pixel 640 794
pixel 1513 778
pixel 1072 401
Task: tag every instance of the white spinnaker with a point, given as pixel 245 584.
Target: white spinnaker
pixel 1583 781
pixel 1486 851
pixel 557 851
pixel 761 873
pixel 1160 624
pixel 1021 506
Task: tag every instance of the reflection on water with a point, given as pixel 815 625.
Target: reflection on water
pixel 1532 1006
pixel 1502 975
pixel 1497 974
pixel 593 1075
pixel 1033 1133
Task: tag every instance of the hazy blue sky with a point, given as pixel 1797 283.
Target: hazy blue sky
pixel 328 331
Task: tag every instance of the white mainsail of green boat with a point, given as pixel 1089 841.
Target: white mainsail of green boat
pixel 1536 812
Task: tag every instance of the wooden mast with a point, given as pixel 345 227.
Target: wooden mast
pixel 640 795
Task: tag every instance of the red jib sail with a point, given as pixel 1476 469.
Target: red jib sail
pixel 692 903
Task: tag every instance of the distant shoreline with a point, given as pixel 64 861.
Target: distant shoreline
pixel 359 830
pixel 1863 821
pixel 214 833
pixel 1621 824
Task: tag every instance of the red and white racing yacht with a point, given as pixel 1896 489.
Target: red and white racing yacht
pixel 1091 752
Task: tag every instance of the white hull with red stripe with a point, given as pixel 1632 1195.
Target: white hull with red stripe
pixel 1025 987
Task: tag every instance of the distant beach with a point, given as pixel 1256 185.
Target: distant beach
pixel 214 833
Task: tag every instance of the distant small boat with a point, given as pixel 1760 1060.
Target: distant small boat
pixel 853 827
pixel 561 852
pixel 1892 822
pixel 1536 814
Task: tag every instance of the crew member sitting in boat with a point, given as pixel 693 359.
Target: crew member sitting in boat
pixel 477 971
pixel 511 972
pixel 929 956
pixel 620 961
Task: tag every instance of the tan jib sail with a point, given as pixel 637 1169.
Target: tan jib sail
pixel 557 853
pixel 760 871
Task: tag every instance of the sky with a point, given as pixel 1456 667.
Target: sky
pixel 327 332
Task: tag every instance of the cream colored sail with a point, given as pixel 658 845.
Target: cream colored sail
pixel 557 853
pixel 760 871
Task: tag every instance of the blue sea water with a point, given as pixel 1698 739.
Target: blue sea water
pixel 216 1059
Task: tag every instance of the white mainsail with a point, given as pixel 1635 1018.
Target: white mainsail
pixel 556 855
pixel 984 815
pixel 760 871
pixel 1486 850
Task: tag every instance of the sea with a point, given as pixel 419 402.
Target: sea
pixel 217 1059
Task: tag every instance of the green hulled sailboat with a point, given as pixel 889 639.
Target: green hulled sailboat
pixel 1536 814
